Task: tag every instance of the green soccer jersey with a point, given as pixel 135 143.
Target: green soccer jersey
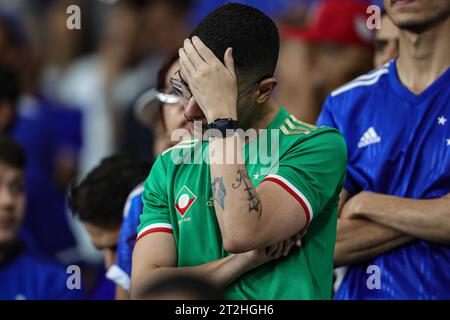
pixel 308 162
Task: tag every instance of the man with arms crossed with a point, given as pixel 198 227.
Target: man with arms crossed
pixel 196 215
pixel 396 124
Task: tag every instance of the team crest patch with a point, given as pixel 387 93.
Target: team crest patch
pixel 184 200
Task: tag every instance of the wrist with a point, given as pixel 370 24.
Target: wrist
pixel 252 259
pixel 221 115
pixel 223 127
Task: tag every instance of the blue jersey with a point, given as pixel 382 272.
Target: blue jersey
pixel 398 144
pixel 120 273
pixel 26 276
pixel 105 289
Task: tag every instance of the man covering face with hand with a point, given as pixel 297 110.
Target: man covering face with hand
pixel 234 218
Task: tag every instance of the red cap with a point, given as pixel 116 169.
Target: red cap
pixel 336 21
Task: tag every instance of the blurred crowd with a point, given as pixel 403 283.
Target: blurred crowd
pixel 71 98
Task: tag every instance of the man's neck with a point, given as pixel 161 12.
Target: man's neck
pixel 423 57
pixel 266 113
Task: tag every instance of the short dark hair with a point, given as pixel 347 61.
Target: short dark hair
pixel 100 198
pixel 252 35
pixel 12 153
pixel 196 287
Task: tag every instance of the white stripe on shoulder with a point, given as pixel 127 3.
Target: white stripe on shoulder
pixel 190 141
pixel 372 74
pixel 294 189
pixel 358 83
pixel 183 145
pixel 155 226
pixel 136 191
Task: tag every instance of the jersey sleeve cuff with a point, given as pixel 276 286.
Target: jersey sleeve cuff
pixel 154 227
pixel 297 194
pixel 119 277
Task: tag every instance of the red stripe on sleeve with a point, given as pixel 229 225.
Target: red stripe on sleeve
pixel 295 195
pixel 154 230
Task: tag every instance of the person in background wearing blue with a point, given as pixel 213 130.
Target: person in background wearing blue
pixel 109 192
pixel 23 274
pixel 394 226
pixel 120 271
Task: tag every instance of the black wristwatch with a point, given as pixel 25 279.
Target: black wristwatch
pixel 226 126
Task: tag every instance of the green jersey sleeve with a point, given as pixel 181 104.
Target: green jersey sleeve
pixel 313 171
pixel 155 213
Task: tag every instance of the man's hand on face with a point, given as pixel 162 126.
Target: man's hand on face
pixel 213 84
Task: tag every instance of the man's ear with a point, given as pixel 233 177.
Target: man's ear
pixel 265 89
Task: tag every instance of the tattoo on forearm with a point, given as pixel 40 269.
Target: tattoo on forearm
pixel 252 197
pixel 218 190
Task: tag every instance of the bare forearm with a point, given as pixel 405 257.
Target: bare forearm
pixel 358 240
pixel 343 257
pixel 424 219
pixel 221 273
pixel 237 204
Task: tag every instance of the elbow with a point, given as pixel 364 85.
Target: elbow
pixel 142 281
pixel 137 288
pixel 235 247
pixel 237 243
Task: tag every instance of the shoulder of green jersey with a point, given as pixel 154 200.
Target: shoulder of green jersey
pixel 186 144
pixel 296 133
pixel 295 127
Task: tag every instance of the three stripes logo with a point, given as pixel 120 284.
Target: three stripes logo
pixel 369 137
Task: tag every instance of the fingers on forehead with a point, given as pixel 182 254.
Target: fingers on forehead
pixel 201 47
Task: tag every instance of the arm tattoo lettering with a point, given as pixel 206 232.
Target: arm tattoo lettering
pixel 253 200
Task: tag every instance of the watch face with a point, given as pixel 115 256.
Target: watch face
pixel 225 126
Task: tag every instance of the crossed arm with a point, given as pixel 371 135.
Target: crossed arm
pixel 155 256
pixel 261 239
pixel 372 223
